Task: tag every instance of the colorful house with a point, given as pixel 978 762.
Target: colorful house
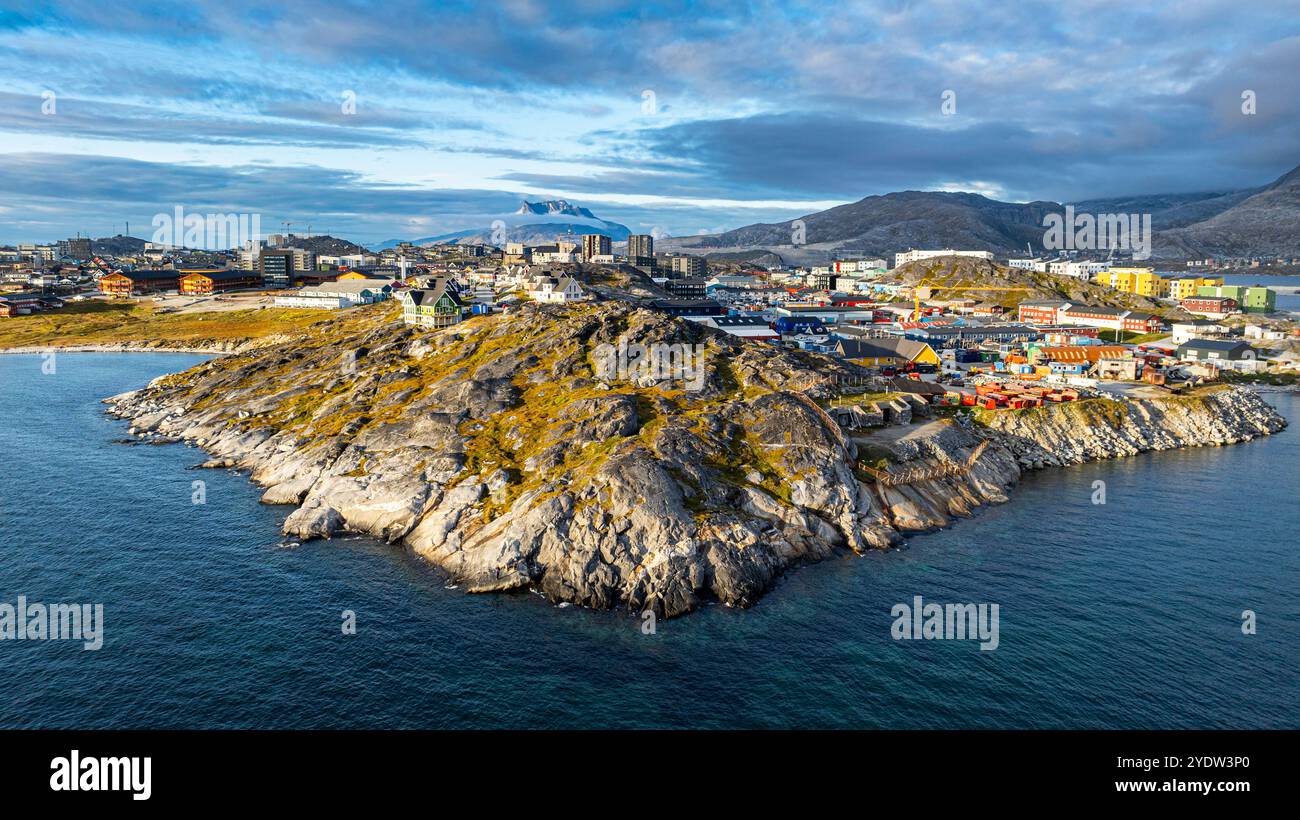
pixel 886 352
pixel 437 306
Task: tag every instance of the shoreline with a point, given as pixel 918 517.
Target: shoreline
pixel 120 347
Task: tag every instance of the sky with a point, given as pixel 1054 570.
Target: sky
pixel 401 120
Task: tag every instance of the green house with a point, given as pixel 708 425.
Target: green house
pixel 1249 299
pixel 437 306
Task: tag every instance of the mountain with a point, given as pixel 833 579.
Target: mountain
pixel 553 207
pixel 882 225
pixel 1261 221
pixel 534 223
pixel 1265 223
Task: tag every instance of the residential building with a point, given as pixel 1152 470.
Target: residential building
pixel 1077 269
pixel 126 283
pixel 595 244
pixel 78 248
pixel 552 289
pixel 915 256
pixel 434 307
pixel 1249 299
pixel 218 280
pixel 690 266
pixel 1211 307
pixel 1042 313
pixel 1184 287
pixel 1038 265
pixel 886 352
pixel 641 249
pixel 961 336
pixel 1142 281
pixel 1196 329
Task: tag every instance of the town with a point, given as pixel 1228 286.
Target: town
pixel 926 331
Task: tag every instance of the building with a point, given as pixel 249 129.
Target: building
pixel 78 248
pixel 126 283
pixel 596 244
pixel 697 307
pixel 893 352
pixel 434 307
pixel 1222 352
pixel 1142 281
pixel 1038 265
pixel 916 256
pixel 690 266
pixel 219 280
pixel 1053 312
pixel 1110 318
pixel 552 289
pixel 687 288
pixel 1184 287
pixel 337 295
pixel 959 336
pixel 276 268
pixel 1196 329
pixel 1083 269
pixel 641 249
pixel 303 260
pixel 1042 313
pixel 745 327
pixel 1248 299
pixel 1211 307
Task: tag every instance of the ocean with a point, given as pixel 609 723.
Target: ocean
pixel 1126 614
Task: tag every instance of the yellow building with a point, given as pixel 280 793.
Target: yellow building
pixel 353 274
pixel 1142 281
pixel 1184 287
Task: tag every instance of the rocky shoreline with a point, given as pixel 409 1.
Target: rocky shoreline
pixel 493 450
pixel 214 349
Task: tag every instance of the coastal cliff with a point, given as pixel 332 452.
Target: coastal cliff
pixel 504 450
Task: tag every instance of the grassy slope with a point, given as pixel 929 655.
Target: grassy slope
pixel 98 322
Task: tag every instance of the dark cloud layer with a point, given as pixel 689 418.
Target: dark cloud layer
pixel 789 101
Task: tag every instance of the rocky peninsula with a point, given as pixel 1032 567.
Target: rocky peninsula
pixel 501 450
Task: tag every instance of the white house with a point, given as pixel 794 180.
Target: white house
pixel 551 289
pixel 337 295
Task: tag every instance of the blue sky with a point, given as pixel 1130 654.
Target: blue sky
pixel 680 117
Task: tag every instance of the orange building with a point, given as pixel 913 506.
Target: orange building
pixel 217 280
pixel 125 283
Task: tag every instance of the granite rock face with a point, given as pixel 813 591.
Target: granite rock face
pixel 504 451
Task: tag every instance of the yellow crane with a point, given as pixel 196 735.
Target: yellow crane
pixel 916 293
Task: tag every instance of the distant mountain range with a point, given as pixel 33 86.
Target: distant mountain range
pixel 534 223
pixel 1261 221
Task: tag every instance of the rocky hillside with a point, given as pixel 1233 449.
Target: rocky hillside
pixel 959 271
pixel 1101 428
pixel 515 452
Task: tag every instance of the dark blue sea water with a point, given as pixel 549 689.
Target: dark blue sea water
pixel 1122 615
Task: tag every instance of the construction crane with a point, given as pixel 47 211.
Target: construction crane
pixel 916 293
